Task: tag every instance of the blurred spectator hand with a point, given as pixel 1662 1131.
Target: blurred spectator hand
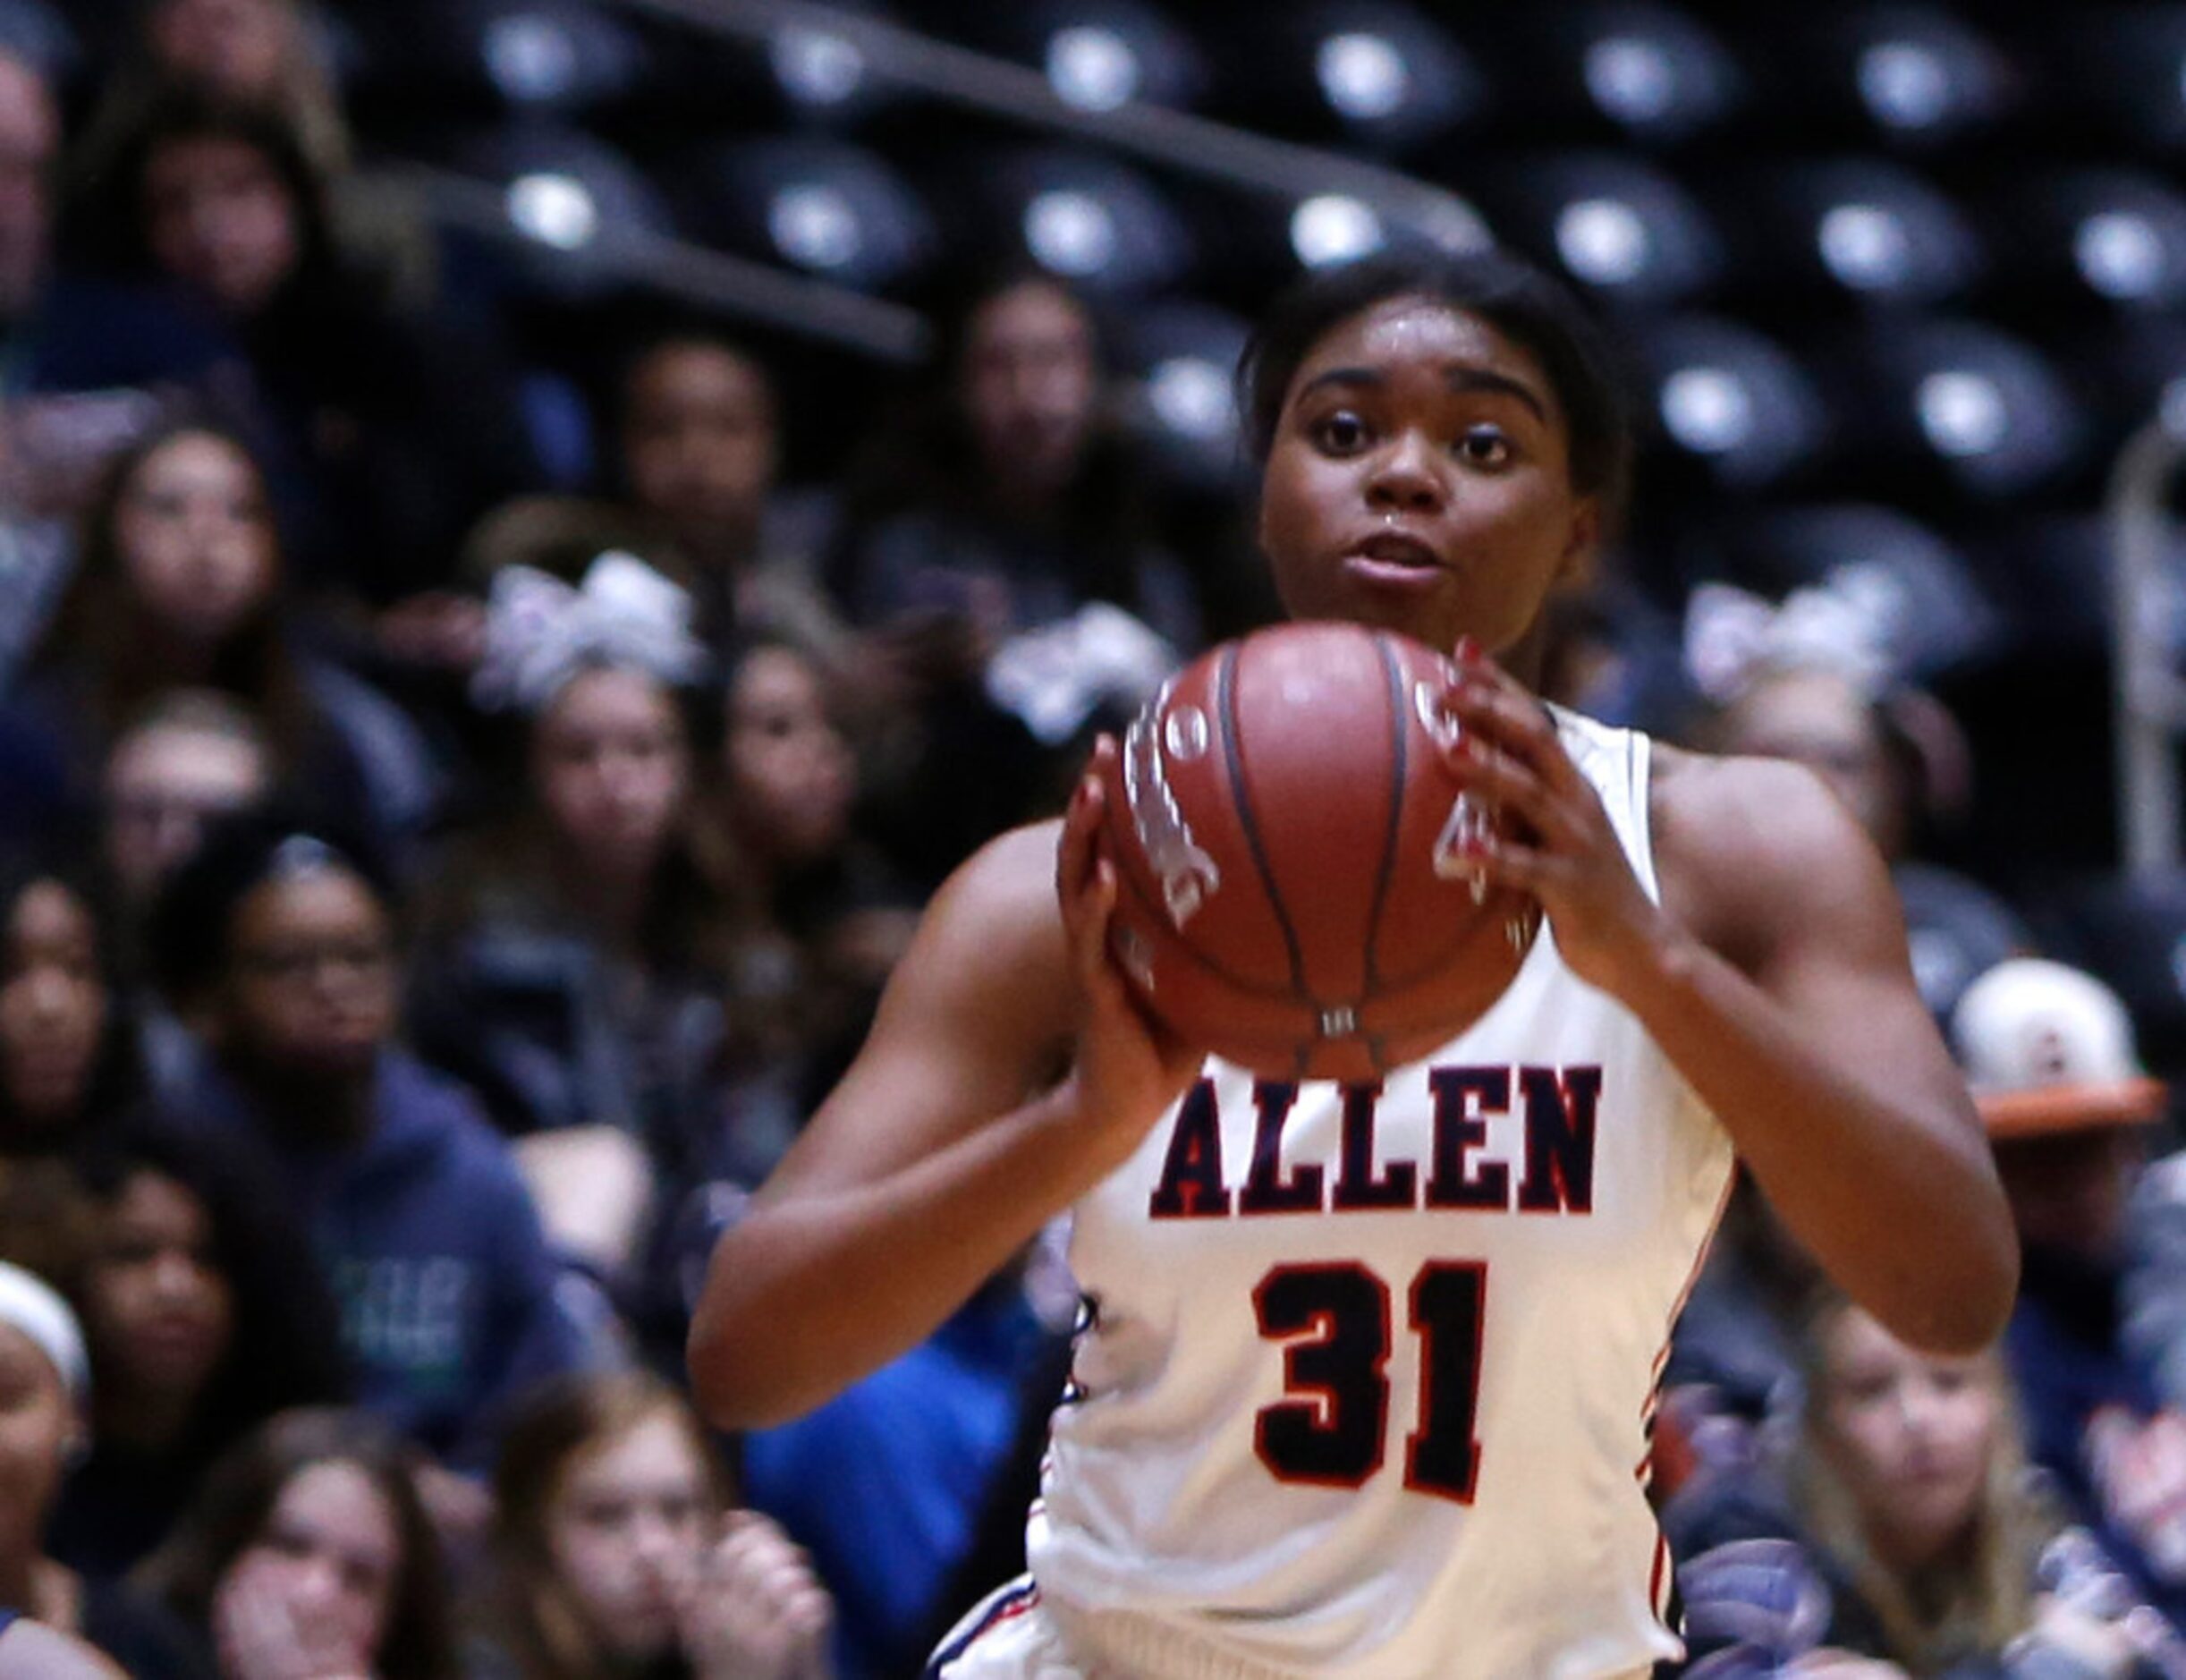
pixel 264 1633
pixel 439 629
pixel 758 1612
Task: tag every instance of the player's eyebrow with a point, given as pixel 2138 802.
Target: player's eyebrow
pixel 1460 377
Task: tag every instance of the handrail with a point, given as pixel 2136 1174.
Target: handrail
pixel 710 279
pixel 1176 140
pixel 2148 698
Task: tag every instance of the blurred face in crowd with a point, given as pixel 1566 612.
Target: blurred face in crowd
pixel 791 772
pixel 37 1428
pixel 238 47
pixel 1818 719
pixel 157 1308
pixel 612 768
pixel 53 1003
pixel 1909 1434
pixel 625 1530
pixel 311 988
pixel 1028 381
pixel 164 783
pixel 699 438
pixel 196 538
pixel 331 1553
pixel 2069 1193
pixel 221 219
pixel 30 138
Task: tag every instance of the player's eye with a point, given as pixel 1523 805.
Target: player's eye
pixel 1341 433
pixel 1485 447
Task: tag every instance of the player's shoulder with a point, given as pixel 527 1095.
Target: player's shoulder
pixel 996 926
pixel 1710 792
pixel 1008 886
pixel 1737 840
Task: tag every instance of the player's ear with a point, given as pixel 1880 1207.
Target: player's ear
pixel 1581 543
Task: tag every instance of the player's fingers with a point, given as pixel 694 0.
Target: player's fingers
pixel 1507 783
pixel 1502 861
pixel 1096 970
pixel 1487 702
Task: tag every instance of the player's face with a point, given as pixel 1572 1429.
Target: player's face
pixel 625 1530
pixel 1421 479
pixel 1909 1434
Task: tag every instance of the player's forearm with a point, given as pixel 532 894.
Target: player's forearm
pixel 1892 1191
pixel 814 1289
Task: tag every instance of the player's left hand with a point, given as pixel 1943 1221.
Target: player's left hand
pixel 1565 855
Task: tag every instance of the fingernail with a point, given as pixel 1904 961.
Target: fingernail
pixel 1468 651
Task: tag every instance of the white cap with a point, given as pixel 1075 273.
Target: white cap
pixel 30 1304
pixel 2047 1048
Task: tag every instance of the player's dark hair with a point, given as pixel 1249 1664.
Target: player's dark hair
pixel 1525 305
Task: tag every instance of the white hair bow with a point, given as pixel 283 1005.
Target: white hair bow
pixel 540 631
pixel 1732 637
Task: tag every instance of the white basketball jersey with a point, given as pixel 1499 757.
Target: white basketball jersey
pixel 1368 1381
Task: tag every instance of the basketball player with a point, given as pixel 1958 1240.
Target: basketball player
pixel 1369 1373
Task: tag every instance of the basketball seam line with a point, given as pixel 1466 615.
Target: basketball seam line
pixel 1226 706
pixel 1228 976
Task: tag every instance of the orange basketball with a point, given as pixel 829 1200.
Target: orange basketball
pixel 1287 834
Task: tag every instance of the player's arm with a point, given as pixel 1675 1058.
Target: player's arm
pixel 1775 976
pixel 1791 1009
pixel 950 1142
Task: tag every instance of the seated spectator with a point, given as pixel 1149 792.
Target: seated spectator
pixel 309 1555
pixel 2049 1054
pixel 698 445
pixel 386 431
pixel 616 1551
pixel 192 755
pixel 996 537
pixel 245 50
pixel 575 968
pixel 45 1391
pixel 205 1316
pixel 68 1067
pixel 1905 1539
pixel 700 451
pixel 1811 689
pixel 827 898
pixel 277 946
pixel 180 585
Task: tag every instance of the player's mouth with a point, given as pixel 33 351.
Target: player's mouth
pixel 1392 560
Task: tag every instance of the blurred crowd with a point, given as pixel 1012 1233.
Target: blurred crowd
pixel 437 891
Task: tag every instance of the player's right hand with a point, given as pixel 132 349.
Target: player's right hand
pixel 1129 1068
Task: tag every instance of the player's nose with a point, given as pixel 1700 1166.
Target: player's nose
pixel 1404 475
